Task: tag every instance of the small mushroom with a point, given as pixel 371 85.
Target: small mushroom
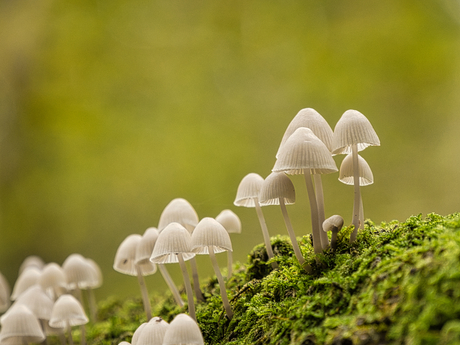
pixel 137 333
pixel 20 326
pixel 183 330
pixel 27 278
pixel 232 224
pixel 333 224
pixel 153 332
pixel 53 280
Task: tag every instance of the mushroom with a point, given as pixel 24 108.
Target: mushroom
pixel 4 294
pixel 247 195
pixel 181 211
pixel 79 273
pixel 95 283
pixel 19 326
pixel 153 332
pixel 333 224
pixel 278 189
pixel 183 330
pixel 232 224
pixel 31 261
pixel 210 237
pixel 346 175
pixel 137 333
pixel 27 278
pixel 53 280
pixel 353 133
pixel 174 245
pixel 303 153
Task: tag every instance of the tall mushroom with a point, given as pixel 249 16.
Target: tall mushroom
pixel 353 133
pixel 247 195
pixel 210 237
pixel 303 153
pixel 232 224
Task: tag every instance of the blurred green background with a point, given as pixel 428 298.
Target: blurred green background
pixel 110 109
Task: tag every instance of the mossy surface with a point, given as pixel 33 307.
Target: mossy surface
pixel 398 283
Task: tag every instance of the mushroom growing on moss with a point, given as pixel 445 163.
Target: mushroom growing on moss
pixel 232 224
pixel 333 224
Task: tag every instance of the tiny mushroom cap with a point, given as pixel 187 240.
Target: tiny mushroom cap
pixel 277 185
pixel 183 330
pixel 230 221
pixel 333 223
pixel 97 274
pixel 145 247
pixel 4 294
pixel 210 233
pixel 346 171
pixel 172 240
pixel 67 310
pixel 137 333
pixel 32 261
pixel 248 190
pixel 26 279
pixel 125 257
pixel 353 128
pixel 309 118
pixel 79 273
pixel 153 333
pixel 39 303
pixel 20 326
pixel 181 211
pixel 52 279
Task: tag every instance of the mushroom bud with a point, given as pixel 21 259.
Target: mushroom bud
pixel 333 224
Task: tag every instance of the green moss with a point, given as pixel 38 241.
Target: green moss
pixel 399 283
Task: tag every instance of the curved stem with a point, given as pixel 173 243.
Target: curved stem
pixel 354 153
pixel 188 286
pixel 196 281
pixel 164 272
pixel 223 291
pixel 144 293
pixel 265 233
pixel 314 213
pixel 229 264
pixel 321 213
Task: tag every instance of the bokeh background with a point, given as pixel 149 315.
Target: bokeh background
pixel 110 109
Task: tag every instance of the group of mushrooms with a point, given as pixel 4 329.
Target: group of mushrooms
pixel 48 300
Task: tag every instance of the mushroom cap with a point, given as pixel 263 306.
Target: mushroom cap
pixel 98 278
pixel 183 330
pixel 248 190
pixel 4 294
pixel 52 277
pixel 20 325
pixel 125 257
pixel 333 223
pixel 209 232
pixel 38 302
pixel 153 333
pixel 67 309
pixel 230 221
pixel 346 171
pixel 79 273
pixel 172 240
pixel 145 247
pixel 277 185
pixel 353 128
pixel 304 151
pixel 28 277
pixel 180 211
pixel 309 118
pixel 137 333
pixel 31 261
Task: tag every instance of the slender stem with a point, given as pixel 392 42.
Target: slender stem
pixel 144 293
pixel 321 213
pixel 314 213
pixel 188 286
pixel 63 339
pixel 42 324
pixel 196 281
pixel 70 333
pixel 82 335
pixel 164 272
pixel 334 238
pixel 223 291
pixel 354 153
pixel 361 213
pixel 92 305
pixel 265 233
pixel 229 264
pixel 291 233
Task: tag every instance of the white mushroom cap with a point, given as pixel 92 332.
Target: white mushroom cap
pixel 180 211
pixel 183 330
pixel 334 222
pixel 309 118
pixel 153 333
pixel 277 185
pixel 31 261
pixel 4 294
pixel 304 151
pixel 79 273
pixel 39 303
pixel 248 190
pixel 98 278
pixel 346 171
pixel 137 333
pixel 52 278
pixel 353 128
pixel 209 232
pixel 145 247
pixel 67 309
pixel 172 240
pixel 230 221
pixel 26 279
pixel 20 325
pixel 125 257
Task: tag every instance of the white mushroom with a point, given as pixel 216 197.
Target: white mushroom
pixel 153 332
pixel 20 326
pixel 333 224
pixel 183 330
pixel 232 224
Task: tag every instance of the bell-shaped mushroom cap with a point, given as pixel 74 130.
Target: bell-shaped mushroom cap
pixel 26 279
pixel 172 240
pixel 353 128
pixel 31 261
pixel 39 303
pixel 180 211
pixel 309 118
pixel 79 273
pixel 346 171
pixel 334 222
pixel 97 274
pixel 277 185
pixel 183 330
pixel 52 278
pixel 153 333
pixel 248 190
pixel 230 221
pixel 125 258
pixel 145 247
pixel 209 232
pixel 304 151
pixel 67 309
pixel 20 325
pixel 137 333
pixel 4 294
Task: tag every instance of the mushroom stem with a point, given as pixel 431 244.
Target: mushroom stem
pixel 62 338
pixel 82 335
pixel 196 281
pixel 354 153
pixel 164 272
pixel 314 213
pixel 145 295
pixel 361 213
pixel 229 264
pixel 188 286
pixel 223 291
pixel 334 238
pixel 92 304
pixel 265 233
pixel 321 213
pixel 70 333
pixel 42 324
